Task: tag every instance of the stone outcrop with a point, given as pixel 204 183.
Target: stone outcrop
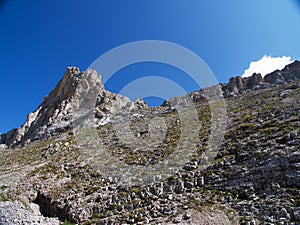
pixel 15 213
pixel 254 80
pixel 238 85
pixel 54 114
pixel 76 94
pixel 289 74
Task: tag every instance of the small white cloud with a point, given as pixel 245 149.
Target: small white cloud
pixel 266 65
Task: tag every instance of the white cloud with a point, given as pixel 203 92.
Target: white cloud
pixel 266 65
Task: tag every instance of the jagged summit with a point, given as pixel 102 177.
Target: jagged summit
pixel 79 91
pixel 237 85
pixel 71 86
pixel 75 93
pixel 51 116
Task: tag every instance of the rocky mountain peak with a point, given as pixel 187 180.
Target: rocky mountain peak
pixel 75 95
pixel 54 114
pixel 72 85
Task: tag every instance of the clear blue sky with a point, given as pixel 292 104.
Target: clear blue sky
pixel 39 39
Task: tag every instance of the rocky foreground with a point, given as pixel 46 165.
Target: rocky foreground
pixel 254 178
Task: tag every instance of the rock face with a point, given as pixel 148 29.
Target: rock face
pixel 238 85
pixel 254 178
pixel 289 74
pixel 52 115
pixel 76 94
pixel 15 213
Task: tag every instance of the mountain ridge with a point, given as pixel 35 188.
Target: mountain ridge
pixel 62 96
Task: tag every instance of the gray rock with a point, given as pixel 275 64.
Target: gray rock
pixel 275 77
pixel 187 215
pixel 140 104
pixel 236 84
pixel 253 81
pixel 179 187
pixel 177 219
pixel 14 213
pixel 297 216
pixel 3 146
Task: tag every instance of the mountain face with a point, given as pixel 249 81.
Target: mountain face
pixel 75 92
pixel 238 85
pixel 253 179
pixel 55 114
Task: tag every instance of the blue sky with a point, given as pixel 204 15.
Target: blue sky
pixel 39 39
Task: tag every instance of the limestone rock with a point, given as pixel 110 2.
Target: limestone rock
pixel 274 78
pixel 76 94
pixel 140 104
pixel 3 146
pixel 14 213
pixel 253 81
pixel 236 84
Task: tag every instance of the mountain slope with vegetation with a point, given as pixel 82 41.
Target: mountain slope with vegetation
pixel 254 178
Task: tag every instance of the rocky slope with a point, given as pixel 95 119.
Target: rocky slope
pixel 254 178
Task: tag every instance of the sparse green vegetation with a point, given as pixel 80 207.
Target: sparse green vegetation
pixel 68 223
pixel 297 202
pixel 256 134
